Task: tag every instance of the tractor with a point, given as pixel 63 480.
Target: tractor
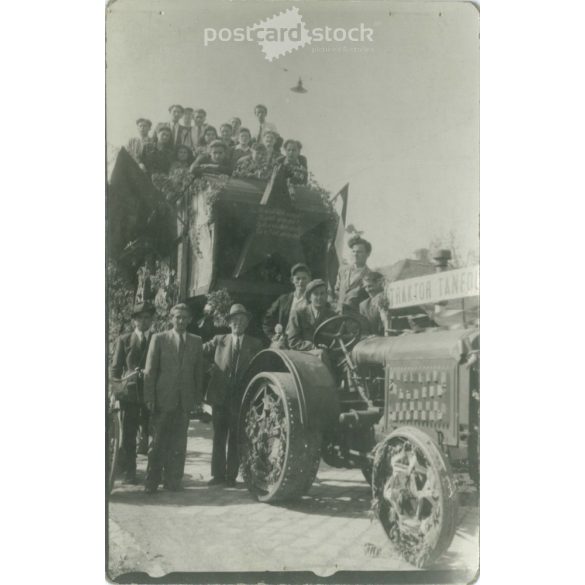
pixel 404 408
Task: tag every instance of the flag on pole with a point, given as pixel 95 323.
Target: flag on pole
pixel 335 251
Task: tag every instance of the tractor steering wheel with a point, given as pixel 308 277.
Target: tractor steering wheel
pixel 337 333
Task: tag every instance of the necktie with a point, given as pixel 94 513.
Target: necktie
pixel 259 137
pixel 235 357
pixel 181 345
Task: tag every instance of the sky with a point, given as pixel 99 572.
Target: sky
pixel 398 120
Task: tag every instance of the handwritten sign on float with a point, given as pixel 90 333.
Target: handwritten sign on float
pixel 278 223
pixel 432 288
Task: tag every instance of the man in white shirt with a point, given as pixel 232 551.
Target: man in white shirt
pixel 136 144
pixel 261 111
pixel 130 356
pixel 187 135
pixel 177 129
pixel 199 126
pixel 172 389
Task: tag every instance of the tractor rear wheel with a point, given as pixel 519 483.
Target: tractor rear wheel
pixel 414 495
pixel 279 457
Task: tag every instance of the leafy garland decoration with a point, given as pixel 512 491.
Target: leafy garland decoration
pixel 221 302
pixel 160 285
pixel 325 196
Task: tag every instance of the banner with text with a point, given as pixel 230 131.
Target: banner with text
pixel 441 286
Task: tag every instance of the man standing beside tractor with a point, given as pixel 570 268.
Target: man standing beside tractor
pixel 231 353
pixel 173 381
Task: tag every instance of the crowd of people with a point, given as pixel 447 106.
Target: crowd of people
pixel 188 141
pixel 177 371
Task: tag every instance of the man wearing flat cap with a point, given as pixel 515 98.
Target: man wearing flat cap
pixel 172 389
pixel 349 288
pixel 231 353
pixel 304 321
pixel 130 356
pixel 279 311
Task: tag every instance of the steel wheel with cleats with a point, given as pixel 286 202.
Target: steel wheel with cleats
pixel 414 495
pixel 279 457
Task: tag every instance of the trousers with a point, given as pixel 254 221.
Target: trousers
pixel 131 419
pixel 224 456
pixel 168 447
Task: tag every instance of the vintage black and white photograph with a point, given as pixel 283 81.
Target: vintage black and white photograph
pixel 292 283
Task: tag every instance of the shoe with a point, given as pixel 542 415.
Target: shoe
pixel 230 483
pixel 216 481
pixel 150 489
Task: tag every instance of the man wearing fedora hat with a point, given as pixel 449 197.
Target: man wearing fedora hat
pixel 304 321
pixel 231 354
pixel 279 311
pixel 130 356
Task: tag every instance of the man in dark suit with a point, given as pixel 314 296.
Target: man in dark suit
pixel 279 311
pixel 172 389
pixel 177 129
pixel 231 354
pixel 370 308
pixel 304 321
pixel 130 356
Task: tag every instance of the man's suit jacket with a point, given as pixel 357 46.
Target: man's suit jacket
pixel 369 309
pixel 171 380
pixel 185 137
pixel 349 286
pixel 197 135
pixel 129 354
pixel 279 312
pixel 224 384
pixel 302 325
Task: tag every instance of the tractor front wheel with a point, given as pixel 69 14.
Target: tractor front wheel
pixel 414 495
